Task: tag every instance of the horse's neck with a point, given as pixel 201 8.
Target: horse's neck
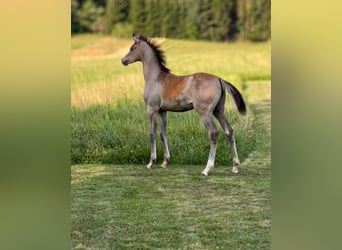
pixel 151 70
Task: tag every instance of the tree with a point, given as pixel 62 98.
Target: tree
pixel 254 19
pixel 242 18
pixel 74 18
pixel 116 12
pixel 181 13
pixel 204 20
pixel 137 15
pixel 260 17
pixel 221 10
pixel 153 18
pixel 87 15
pixel 169 18
pixel 215 20
pixel 191 29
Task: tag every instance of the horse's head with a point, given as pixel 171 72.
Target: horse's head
pixel 136 51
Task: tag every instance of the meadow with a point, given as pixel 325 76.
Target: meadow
pixel 117 203
pixel 107 100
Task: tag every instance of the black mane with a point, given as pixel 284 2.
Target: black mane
pixel 158 52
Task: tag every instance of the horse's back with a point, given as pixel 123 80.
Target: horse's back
pixel 201 91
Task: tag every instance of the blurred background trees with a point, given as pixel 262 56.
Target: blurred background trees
pixel 215 20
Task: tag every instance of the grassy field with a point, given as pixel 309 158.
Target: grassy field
pixel 117 203
pixel 107 100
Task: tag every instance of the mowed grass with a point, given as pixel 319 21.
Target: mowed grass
pixel 121 204
pixel 130 207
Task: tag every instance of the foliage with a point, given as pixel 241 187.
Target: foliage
pixel 122 29
pixel 86 16
pixel 116 12
pixel 216 20
pixel 254 23
pixel 137 15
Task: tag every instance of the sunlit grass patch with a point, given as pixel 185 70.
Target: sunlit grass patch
pixel 95 45
pixel 108 92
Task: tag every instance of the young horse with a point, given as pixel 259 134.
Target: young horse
pixel 165 91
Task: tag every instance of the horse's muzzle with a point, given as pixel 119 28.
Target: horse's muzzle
pixel 124 61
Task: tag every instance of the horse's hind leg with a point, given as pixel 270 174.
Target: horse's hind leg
pixel 164 139
pixel 213 135
pixel 230 135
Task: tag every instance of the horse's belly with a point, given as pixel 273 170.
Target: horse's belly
pixel 177 105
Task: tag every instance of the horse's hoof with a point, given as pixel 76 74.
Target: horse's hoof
pixel 163 165
pixel 204 173
pixel 235 170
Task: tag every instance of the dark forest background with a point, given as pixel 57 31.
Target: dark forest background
pixel 215 20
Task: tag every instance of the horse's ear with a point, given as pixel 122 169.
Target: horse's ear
pixel 135 38
pixel 143 38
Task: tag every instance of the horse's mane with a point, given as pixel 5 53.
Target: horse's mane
pixel 158 52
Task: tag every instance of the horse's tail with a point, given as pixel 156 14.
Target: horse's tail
pixel 240 103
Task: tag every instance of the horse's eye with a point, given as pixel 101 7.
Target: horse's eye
pixel 132 48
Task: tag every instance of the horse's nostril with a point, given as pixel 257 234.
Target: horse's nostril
pixel 124 61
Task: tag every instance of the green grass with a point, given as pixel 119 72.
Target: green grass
pixel 103 134
pixel 122 205
pixel 130 207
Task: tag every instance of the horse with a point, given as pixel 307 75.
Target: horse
pixel 165 91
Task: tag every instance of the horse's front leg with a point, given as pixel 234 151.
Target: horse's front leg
pixel 164 139
pixel 153 127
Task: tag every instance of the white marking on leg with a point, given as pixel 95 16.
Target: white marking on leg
pixel 163 123
pixel 153 157
pixel 210 165
pixel 236 161
pixel 211 160
pixel 164 164
pixel 149 165
pixel 235 170
pixel 153 127
pixel 166 153
pixel 213 135
pixel 152 161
